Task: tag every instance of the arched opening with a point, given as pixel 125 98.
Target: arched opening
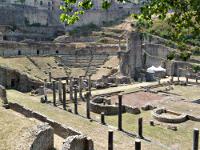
pixel 19 52
pixel 41 3
pixel 57 52
pixel 38 52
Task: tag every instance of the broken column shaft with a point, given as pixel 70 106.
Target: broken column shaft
pixel 64 95
pixel 54 93
pixel 120 112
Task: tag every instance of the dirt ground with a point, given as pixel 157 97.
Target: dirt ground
pixel 138 99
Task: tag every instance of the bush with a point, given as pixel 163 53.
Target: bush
pixel 171 55
pixel 84 30
pixel 196 68
pixel 185 55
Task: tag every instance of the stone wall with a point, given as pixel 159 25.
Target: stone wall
pixel 77 142
pixel 8 49
pixel 144 51
pixel 177 118
pixel 43 138
pixel 97 106
pixel 98 17
pixel 22 15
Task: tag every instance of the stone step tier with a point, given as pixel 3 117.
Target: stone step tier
pixel 88 63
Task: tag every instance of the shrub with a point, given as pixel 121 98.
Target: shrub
pixel 171 55
pixel 196 68
pixel 185 55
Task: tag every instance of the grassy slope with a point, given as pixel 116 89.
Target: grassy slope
pixel 11 126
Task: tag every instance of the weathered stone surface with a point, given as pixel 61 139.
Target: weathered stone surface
pixel 132 110
pixel 148 107
pixel 43 136
pixel 3 95
pixel 78 142
pixel 172 127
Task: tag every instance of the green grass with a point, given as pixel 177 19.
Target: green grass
pixel 159 134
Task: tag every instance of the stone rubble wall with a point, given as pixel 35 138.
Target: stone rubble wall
pixel 97 107
pixel 78 142
pixel 177 118
pixel 59 129
pixel 43 138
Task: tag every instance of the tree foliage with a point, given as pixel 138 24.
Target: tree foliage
pixel 182 15
pixel 185 55
pixel 72 9
pixel 171 55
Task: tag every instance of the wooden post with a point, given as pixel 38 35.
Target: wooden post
pixel 110 140
pixel 120 112
pixel 137 144
pixel 54 93
pixel 195 139
pixel 140 127
pixel 64 95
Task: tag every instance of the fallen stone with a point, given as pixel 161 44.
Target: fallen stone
pixel 148 107
pixel 172 127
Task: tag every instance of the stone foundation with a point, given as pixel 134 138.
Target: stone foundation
pixel 97 106
pixel 178 118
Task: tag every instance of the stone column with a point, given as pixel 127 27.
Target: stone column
pixel 172 79
pixel 195 139
pixel 102 118
pixel 50 76
pixel 87 96
pixel 120 112
pixel 75 100
pixel 71 89
pixel 186 78
pixel 67 80
pixel 60 90
pixel 3 96
pixel 140 127
pixel 45 90
pixel 80 88
pixel 89 84
pixel 54 93
pixel 137 144
pixel 64 95
pixel 110 140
